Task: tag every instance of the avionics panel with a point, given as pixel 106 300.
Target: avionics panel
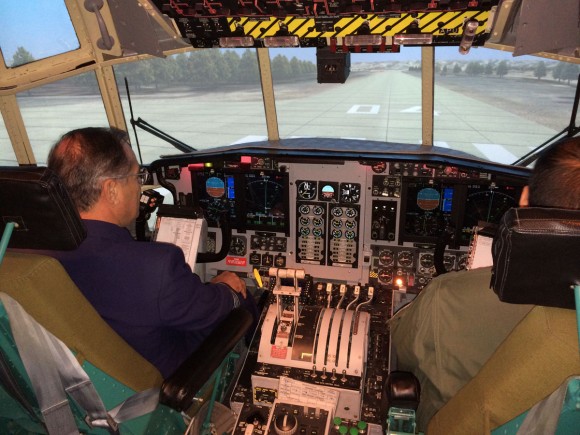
pixel 339 218
pixel 427 209
pixel 215 192
pixel 432 208
pixel 265 202
pixel 488 203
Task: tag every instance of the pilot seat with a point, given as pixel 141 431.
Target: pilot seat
pixel 532 381
pixel 37 213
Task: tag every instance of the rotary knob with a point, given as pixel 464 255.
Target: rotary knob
pixel 285 424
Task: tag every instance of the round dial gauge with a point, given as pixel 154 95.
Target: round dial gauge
pixel 337 212
pixel 238 246
pixel 379 167
pixel 385 275
pixel 449 262
pixel 405 258
pixel 307 190
pixel 304 209
pixel 349 192
pixel 427 260
pixel 386 257
pixel 318 210
pixel 351 212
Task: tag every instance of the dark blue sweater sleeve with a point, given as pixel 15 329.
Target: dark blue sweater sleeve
pixel 185 302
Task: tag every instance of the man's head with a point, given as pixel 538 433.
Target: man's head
pixel 98 168
pixel 555 179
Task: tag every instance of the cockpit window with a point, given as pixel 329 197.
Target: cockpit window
pixel 379 100
pixel 205 99
pixel 51 110
pixel 499 107
pixel 26 27
pixel 7 156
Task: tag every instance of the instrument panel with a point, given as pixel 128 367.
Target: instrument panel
pixel 371 222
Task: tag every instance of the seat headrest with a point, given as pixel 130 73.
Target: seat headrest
pixel 536 256
pixel 37 201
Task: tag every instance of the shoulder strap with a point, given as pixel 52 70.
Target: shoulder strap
pixel 55 372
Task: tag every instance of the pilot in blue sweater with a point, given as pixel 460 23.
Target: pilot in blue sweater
pixel 145 291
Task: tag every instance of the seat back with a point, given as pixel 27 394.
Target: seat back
pixel 536 239
pixel 45 218
pixel 536 261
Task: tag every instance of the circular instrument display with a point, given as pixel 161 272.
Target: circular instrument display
pixel 328 192
pixel 386 257
pixel 379 167
pixel 428 198
pixel 449 262
pixel 337 212
pixel 238 246
pixel 427 261
pixel 307 190
pixel 349 192
pixel 405 258
pixel 215 187
pixel 317 222
pixel 385 275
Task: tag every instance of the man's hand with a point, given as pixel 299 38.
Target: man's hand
pixel 234 281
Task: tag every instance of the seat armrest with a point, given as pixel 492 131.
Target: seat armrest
pixel 179 389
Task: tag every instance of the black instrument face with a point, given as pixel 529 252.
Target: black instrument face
pixel 349 192
pixel 379 167
pixel 238 246
pixel 488 204
pixel 428 209
pixel 265 201
pixel 307 190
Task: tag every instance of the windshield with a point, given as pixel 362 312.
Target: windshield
pixel 487 103
pixel 25 40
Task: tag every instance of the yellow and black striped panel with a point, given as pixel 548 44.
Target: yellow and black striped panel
pixel 440 24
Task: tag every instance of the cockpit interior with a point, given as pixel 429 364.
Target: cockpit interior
pixel 337 155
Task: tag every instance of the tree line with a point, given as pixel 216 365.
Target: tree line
pixel 203 68
pixel 197 68
pixel 560 71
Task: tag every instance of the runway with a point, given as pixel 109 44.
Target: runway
pixel 483 119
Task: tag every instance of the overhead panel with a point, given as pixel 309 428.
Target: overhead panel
pixel 322 23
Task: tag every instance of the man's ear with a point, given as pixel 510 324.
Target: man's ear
pixel 524 197
pixel 110 191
